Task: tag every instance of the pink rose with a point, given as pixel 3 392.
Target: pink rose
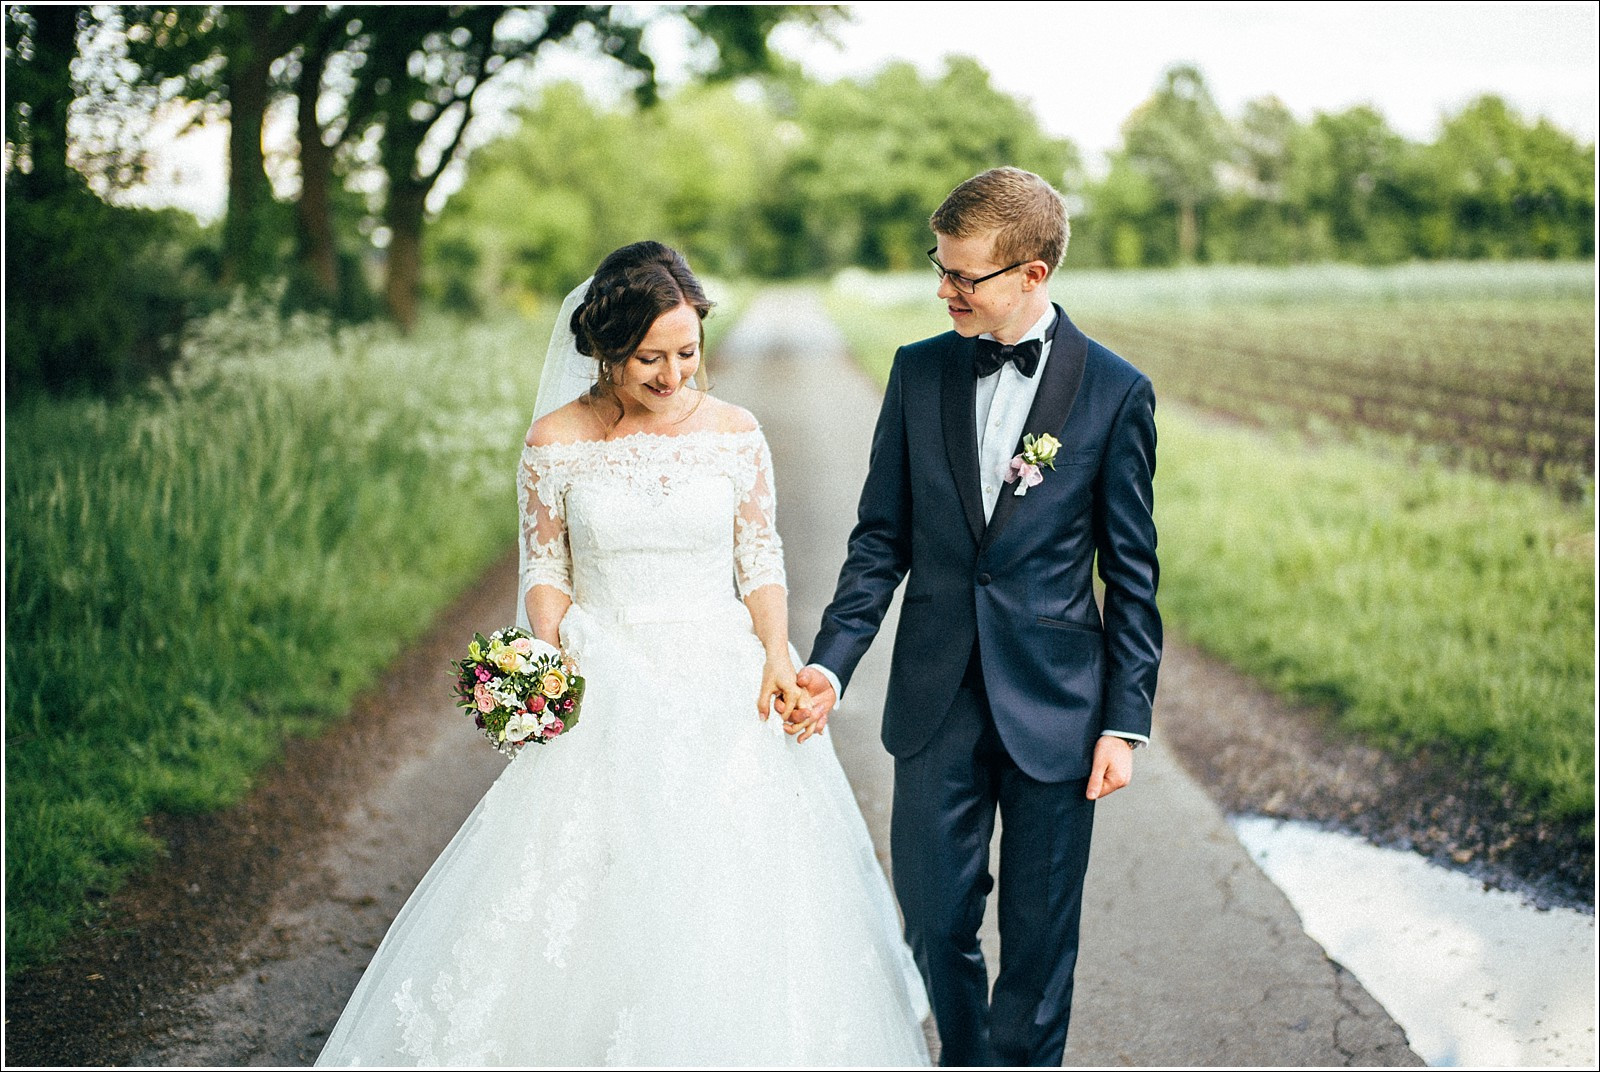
pixel 484 700
pixel 536 704
pixel 522 646
pixel 554 728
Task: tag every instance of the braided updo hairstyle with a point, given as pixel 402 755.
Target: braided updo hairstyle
pixel 631 289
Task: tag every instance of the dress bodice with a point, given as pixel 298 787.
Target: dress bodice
pixel 650 521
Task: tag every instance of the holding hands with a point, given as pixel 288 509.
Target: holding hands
pixel 811 716
pixel 781 693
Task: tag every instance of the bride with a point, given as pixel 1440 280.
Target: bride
pixel 677 881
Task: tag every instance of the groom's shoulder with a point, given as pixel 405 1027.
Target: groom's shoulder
pixel 1108 365
pixel 926 353
pixel 940 342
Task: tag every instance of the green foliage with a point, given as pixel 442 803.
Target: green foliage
pixel 95 294
pixel 1507 189
pixel 871 159
pixel 576 181
pixel 193 575
pixel 1425 607
pixel 1270 189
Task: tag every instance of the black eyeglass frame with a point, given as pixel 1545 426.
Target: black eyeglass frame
pixel 956 278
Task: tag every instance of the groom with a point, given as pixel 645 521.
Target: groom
pixel 1010 688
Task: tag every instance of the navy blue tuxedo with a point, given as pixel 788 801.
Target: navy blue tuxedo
pixel 1056 672
pixel 1020 586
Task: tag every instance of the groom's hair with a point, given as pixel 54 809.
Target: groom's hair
pixel 1026 215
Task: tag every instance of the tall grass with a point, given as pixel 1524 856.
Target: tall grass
pixel 195 574
pixel 1424 606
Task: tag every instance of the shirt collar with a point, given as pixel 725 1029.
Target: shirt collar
pixel 1038 330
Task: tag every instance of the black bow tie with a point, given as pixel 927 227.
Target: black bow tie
pixel 992 354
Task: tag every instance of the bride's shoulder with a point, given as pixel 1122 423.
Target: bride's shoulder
pixel 729 419
pixel 568 424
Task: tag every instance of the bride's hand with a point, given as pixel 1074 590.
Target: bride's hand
pixel 780 691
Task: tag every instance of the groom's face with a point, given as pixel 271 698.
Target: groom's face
pixel 999 306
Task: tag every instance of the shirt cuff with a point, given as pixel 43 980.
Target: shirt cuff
pixel 1137 740
pixel 833 679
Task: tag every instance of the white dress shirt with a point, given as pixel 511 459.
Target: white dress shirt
pixel 1004 399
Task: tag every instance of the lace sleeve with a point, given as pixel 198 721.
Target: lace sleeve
pixel 757 550
pixel 545 557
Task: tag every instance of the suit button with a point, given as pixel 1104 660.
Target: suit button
pixel 983 578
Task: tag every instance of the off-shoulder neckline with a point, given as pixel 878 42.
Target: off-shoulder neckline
pixel 637 437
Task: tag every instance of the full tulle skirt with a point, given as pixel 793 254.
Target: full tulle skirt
pixel 673 882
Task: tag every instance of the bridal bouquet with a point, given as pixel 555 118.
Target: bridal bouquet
pixel 518 688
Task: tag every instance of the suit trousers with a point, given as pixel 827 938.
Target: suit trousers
pixel 945 800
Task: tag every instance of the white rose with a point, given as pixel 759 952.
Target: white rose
pixel 1045 447
pixel 519 729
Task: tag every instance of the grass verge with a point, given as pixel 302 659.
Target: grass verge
pixel 195 575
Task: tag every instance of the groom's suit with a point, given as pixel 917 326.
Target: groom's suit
pixel 1005 671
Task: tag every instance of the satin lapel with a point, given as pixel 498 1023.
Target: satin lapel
pixel 1052 404
pixel 958 412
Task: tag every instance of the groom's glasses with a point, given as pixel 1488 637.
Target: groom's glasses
pixel 961 282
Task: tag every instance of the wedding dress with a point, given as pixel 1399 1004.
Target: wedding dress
pixel 674 881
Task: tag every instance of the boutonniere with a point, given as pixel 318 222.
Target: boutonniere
pixel 1037 452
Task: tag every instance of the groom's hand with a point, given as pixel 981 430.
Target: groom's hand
pixel 815 718
pixel 1112 767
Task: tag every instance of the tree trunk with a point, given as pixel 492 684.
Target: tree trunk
pixel 55 45
pixel 244 255
pixel 403 282
pixel 1188 232
pixel 314 211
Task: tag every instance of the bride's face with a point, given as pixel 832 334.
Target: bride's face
pixel 666 359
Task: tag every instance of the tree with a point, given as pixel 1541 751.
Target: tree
pixel 873 157
pixel 224 56
pixel 1121 224
pixel 1357 180
pixel 427 65
pixel 1508 188
pixel 543 204
pixel 41 43
pixel 94 292
pixel 1259 221
pixel 1179 139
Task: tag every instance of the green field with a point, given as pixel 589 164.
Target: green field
pixel 1424 603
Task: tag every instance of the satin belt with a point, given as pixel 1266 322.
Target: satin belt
pixel 728 612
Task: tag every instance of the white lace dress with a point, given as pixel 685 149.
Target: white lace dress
pixel 674 882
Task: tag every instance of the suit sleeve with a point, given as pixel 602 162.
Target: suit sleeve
pixel 1125 541
pixel 879 552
